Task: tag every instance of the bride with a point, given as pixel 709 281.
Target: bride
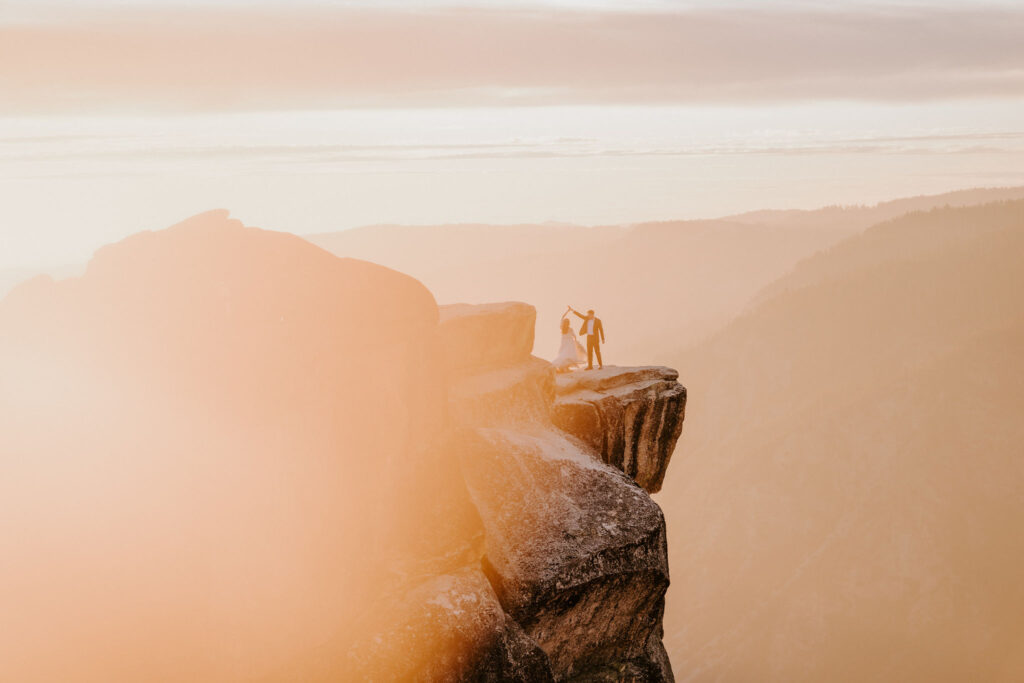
pixel 571 353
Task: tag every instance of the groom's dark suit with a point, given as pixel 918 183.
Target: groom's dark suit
pixel 593 345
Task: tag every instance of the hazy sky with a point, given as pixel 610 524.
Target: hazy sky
pixel 318 115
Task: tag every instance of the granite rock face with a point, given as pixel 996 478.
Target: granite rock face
pixel 574 548
pixel 447 627
pixel 242 458
pixel 631 417
pixel 486 335
pixel 227 446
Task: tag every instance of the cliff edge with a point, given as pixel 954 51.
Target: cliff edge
pixel 631 417
pixel 242 458
pixel 557 465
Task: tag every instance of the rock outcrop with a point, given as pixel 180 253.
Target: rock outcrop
pixel 575 549
pixel 631 417
pixel 236 443
pixel 443 627
pixel 508 329
pixel 242 458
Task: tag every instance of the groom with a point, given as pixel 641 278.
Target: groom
pixel 592 327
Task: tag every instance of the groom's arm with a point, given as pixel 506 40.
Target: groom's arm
pixel 578 313
pixel 600 328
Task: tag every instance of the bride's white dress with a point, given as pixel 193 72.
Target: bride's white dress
pixel 570 353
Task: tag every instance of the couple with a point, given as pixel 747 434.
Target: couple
pixel 570 353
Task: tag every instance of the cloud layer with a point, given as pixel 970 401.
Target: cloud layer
pixel 321 58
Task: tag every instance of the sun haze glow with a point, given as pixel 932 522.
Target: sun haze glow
pixel 296 383
pixel 317 116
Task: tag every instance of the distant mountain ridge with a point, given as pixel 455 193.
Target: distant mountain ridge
pixel 883 210
pixel 713 268
pixel 852 465
pixel 658 286
pixel 933 234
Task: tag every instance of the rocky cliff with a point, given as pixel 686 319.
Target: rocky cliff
pixel 241 458
pixel 632 417
pixel 575 549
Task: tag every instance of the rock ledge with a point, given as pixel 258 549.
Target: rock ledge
pixel 575 550
pixel 630 417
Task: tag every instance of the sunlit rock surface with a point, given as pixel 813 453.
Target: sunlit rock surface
pixel 486 335
pixel 220 448
pixel 447 627
pixel 574 548
pixel 632 417
pixel 226 454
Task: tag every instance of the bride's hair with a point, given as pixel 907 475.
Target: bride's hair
pixel 565 325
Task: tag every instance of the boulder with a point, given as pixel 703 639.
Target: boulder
pixel 446 628
pixel 630 417
pixel 475 336
pixel 576 550
pixel 522 394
